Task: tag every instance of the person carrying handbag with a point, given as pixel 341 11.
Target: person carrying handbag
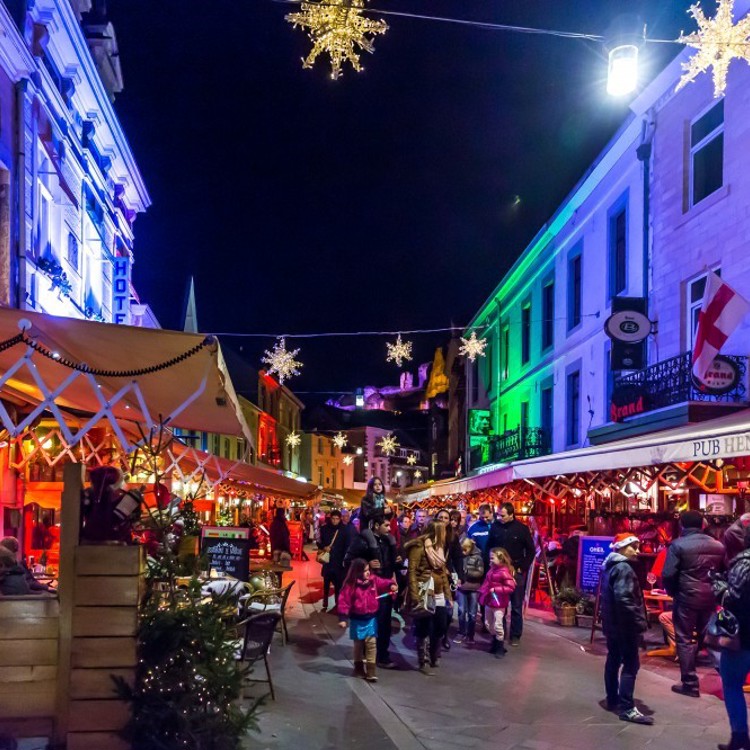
pixel 734 666
pixel 428 577
pixel 334 541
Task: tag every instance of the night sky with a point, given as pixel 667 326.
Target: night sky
pixel 392 199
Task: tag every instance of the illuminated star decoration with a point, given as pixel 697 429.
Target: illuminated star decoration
pixel 399 351
pixel 417 474
pixel 388 445
pixel 281 361
pixel 340 440
pixel 338 28
pixel 472 347
pixel 348 459
pixel 717 40
pixel 411 459
pixel 293 439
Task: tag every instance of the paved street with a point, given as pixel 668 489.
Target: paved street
pixel 543 695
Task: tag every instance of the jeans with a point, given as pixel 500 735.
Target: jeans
pixel 467 612
pixel 335 577
pixel 516 605
pixel 734 667
pixel 687 622
pixel 385 610
pixel 620 686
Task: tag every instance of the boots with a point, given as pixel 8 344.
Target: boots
pixel 494 645
pixel 423 656
pixel 371 670
pixel 497 649
pixel 359 659
pixel 359 669
pixel 739 741
pixel 434 653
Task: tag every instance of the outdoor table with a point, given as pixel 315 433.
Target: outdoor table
pixel 660 602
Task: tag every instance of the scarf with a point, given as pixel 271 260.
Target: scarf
pixel 378 501
pixel 435 556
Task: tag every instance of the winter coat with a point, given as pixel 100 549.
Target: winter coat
pixel 734 537
pixel 370 507
pixel 420 570
pixel 497 587
pixel 515 538
pixel 454 556
pixel 473 571
pixel 737 597
pixel 279 535
pixel 360 599
pixel 13 581
pixel 689 561
pixel 621 602
pixel 385 554
pixel 338 546
pixel 479 533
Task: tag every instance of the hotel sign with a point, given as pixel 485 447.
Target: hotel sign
pixel 121 290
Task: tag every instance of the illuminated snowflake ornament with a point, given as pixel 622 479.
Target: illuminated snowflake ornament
pixel 293 439
pixel 388 445
pixel 340 440
pixel 417 474
pixel 718 41
pixel 399 352
pixel 338 28
pixel 472 347
pixel 281 361
pixel 348 459
pixel 411 459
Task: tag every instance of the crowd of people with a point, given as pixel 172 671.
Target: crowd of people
pixel 422 566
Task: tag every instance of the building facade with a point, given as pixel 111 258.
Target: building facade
pixel 324 464
pixel 665 202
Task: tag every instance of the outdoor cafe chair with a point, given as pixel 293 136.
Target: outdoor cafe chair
pixel 269 600
pixel 256 635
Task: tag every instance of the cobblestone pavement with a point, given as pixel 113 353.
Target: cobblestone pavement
pixel 543 695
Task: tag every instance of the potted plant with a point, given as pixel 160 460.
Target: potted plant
pixel 585 611
pixel 564 604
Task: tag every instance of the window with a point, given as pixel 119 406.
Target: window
pixel 618 247
pixel 524 415
pixel 490 365
pixel 526 333
pixel 575 272
pixel 573 435
pixel 320 446
pixel 694 302
pixel 547 413
pixel 548 315
pixel 505 353
pixel 73 251
pixel 707 153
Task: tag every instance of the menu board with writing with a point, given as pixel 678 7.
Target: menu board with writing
pixel 231 556
pixel 592 551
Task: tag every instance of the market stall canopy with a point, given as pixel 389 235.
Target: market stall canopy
pixel 254 478
pixel 115 372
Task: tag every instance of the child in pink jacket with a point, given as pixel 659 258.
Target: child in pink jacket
pixel 494 596
pixel 358 601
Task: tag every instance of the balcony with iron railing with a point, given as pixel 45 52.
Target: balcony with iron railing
pixel 514 445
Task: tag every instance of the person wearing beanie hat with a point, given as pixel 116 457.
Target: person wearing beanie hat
pixel 690 560
pixel 623 622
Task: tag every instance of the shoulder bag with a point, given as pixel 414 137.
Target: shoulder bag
pixel 723 630
pixel 425 606
pixel 324 556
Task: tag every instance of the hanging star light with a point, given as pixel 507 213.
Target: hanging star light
pixel 399 351
pixel 411 459
pixel 340 440
pixel 281 361
pixel 472 347
pixel 293 439
pixel 348 459
pixel 388 444
pixel 417 474
pixel 338 28
pixel 717 40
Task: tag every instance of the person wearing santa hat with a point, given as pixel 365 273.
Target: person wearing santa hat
pixel 623 622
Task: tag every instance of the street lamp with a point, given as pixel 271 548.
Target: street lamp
pixel 622 42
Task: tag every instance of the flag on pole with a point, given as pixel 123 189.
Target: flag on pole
pixel 722 311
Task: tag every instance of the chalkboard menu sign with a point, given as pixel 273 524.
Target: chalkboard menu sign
pixel 231 556
pixel 592 551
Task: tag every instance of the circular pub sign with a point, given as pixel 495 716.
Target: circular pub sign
pixel 629 326
pixel 720 378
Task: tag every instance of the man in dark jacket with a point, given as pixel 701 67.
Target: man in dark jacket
pixel 12 576
pixel 734 537
pixel 690 559
pixel 623 622
pixel 514 537
pixel 383 562
pixel 335 538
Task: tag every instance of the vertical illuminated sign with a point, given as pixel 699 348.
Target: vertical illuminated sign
pixel 121 291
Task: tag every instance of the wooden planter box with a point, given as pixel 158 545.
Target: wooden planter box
pixel 566 615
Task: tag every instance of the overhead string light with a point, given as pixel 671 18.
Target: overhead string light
pixel 281 361
pixel 472 347
pixel 339 29
pixel 388 444
pixel 340 440
pixel 293 439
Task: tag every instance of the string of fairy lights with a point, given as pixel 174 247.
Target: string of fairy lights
pixel 341 30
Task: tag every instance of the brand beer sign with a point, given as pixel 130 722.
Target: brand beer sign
pixel 721 377
pixel 627 401
pixel 121 290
